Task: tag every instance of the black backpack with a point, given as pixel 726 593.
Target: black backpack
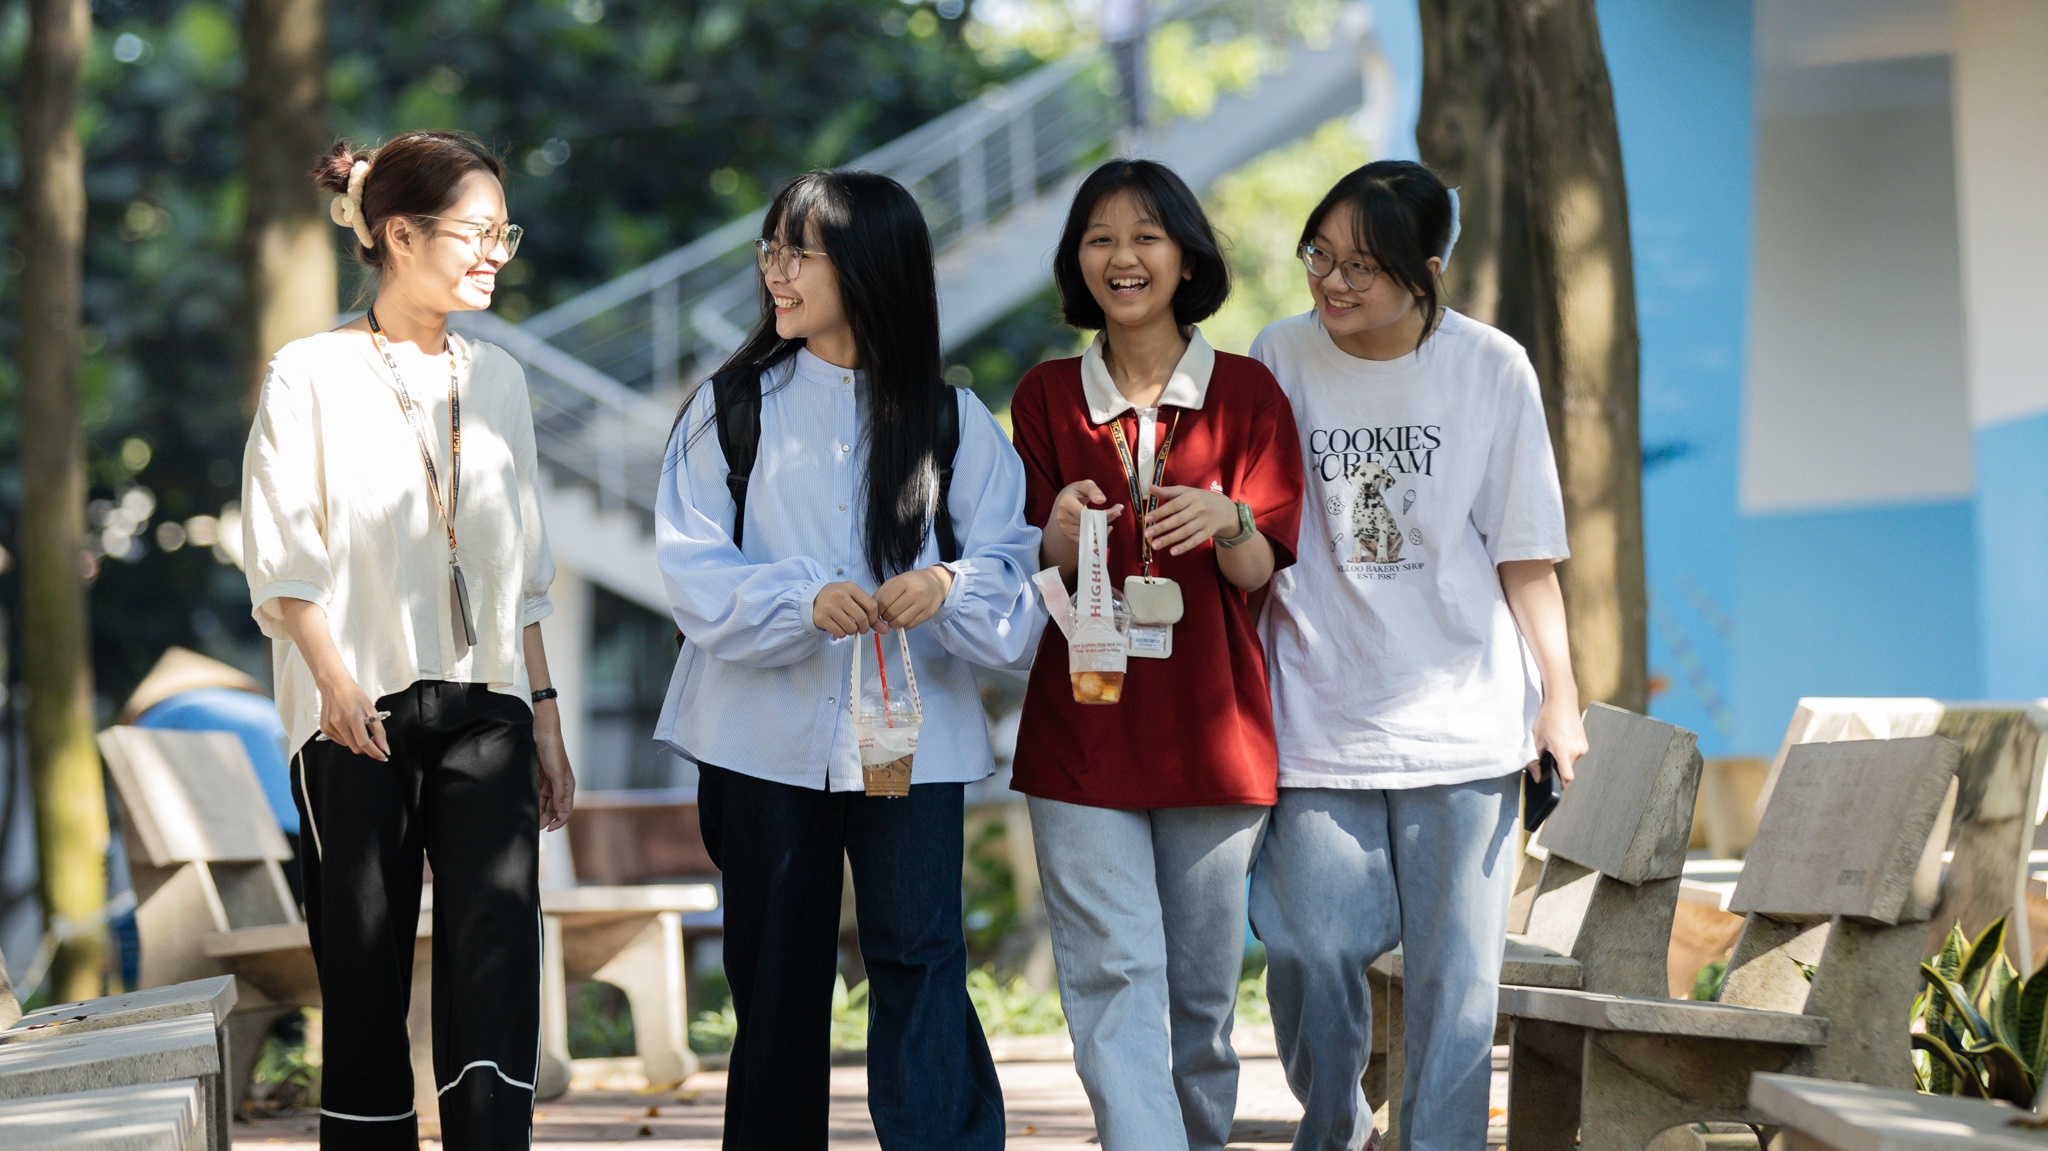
pixel 736 395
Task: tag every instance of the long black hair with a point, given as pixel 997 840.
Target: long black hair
pixel 871 229
pixel 1403 217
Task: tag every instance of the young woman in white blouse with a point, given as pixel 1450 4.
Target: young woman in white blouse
pixel 844 532
pixel 397 560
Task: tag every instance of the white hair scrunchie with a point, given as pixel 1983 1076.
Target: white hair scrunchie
pixel 347 209
pixel 1457 226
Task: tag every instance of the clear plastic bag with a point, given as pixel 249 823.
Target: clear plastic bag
pixel 886 719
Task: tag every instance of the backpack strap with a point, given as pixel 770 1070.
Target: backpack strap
pixel 736 395
pixel 949 446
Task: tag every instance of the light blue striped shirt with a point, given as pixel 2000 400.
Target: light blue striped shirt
pixel 758 687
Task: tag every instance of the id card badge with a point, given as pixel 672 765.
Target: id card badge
pixel 1153 600
pixel 1151 641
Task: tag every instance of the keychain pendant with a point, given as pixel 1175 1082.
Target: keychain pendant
pixel 465 631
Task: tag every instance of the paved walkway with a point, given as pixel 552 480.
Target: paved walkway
pixel 1046 1107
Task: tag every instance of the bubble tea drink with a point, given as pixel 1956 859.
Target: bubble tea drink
pixel 885 722
pixel 1098 650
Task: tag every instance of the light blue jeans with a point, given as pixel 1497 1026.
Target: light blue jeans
pixel 1342 877
pixel 1147 911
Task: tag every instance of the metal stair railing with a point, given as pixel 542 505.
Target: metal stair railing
pixel 967 168
pixel 584 422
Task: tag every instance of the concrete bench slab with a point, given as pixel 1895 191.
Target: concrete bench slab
pixel 1819 1114
pixel 1675 1017
pixel 153 1117
pixel 155 1052
pixel 680 897
pixel 208 997
pixel 1525 965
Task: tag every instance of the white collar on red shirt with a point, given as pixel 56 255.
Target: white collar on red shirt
pixel 1186 388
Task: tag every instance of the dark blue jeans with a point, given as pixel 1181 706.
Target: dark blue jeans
pixel 931 1084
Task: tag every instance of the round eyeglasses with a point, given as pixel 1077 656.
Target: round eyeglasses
pixel 485 237
pixel 787 259
pixel 1358 274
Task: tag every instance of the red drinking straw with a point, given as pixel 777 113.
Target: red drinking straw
pixel 882 668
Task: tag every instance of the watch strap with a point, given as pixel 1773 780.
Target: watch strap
pixel 1247 527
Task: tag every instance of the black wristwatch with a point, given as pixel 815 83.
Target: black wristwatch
pixel 545 693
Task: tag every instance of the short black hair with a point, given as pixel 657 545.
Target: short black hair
pixel 1169 201
pixel 1402 217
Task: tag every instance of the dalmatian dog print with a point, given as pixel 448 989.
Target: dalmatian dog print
pixel 1373 529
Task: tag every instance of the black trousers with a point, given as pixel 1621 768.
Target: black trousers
pixel 931 1084
pixel 461 787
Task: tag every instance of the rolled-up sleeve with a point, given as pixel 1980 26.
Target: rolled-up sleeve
pixel 756 614
pixel 991 617
pixel 284 522
pixel 537 560
pixel 1272 478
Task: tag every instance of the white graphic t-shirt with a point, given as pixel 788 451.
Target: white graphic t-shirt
pixel 1394 658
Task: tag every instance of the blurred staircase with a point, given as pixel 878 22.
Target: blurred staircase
pixel 608 368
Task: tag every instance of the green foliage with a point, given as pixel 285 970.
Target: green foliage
pixel 631 126
pixel 714 1031
pixel 287 1072
pixel 1706 986
pixel 1015 1008
pixel 1259 210
pixel 1979 1029
pixel 1252 1006
pixel 600 1022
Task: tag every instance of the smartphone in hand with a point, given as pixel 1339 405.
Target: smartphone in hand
pixel 1539 797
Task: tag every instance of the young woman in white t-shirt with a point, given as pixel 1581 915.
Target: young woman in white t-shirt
pixel 1418 659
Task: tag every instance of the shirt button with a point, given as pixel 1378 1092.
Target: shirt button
pixel 842 507
pixel 831 699
pixel 838 571
pixel 845 447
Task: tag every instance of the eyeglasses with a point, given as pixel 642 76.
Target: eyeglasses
pixel 486 237
pixel 1358 275
pixel 787 259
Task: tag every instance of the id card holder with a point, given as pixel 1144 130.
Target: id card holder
pixel 1151 641
pixel 1153 600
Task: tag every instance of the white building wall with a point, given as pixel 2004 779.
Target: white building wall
pixel 2001 145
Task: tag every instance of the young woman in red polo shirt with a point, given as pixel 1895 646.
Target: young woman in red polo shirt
pixel 1147 812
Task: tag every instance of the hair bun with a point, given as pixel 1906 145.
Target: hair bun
pixel 331 171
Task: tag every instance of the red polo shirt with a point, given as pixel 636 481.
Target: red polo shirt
pixel 1196 729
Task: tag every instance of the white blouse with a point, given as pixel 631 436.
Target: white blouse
pixel 335 510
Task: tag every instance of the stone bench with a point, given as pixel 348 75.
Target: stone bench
pixel 205 851
pixel 158 1051
pixel 1818 1115
pixel 212 999
pixel 1835 893
pixel 154 1117
pixel 1601 910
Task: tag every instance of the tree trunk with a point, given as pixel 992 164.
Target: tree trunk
pixel 1517 112
pixel 288 263
pixel 71 803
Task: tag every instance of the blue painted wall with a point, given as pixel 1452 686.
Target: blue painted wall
pixel 1682 83
pixel 2012 541
pixel 1868 601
